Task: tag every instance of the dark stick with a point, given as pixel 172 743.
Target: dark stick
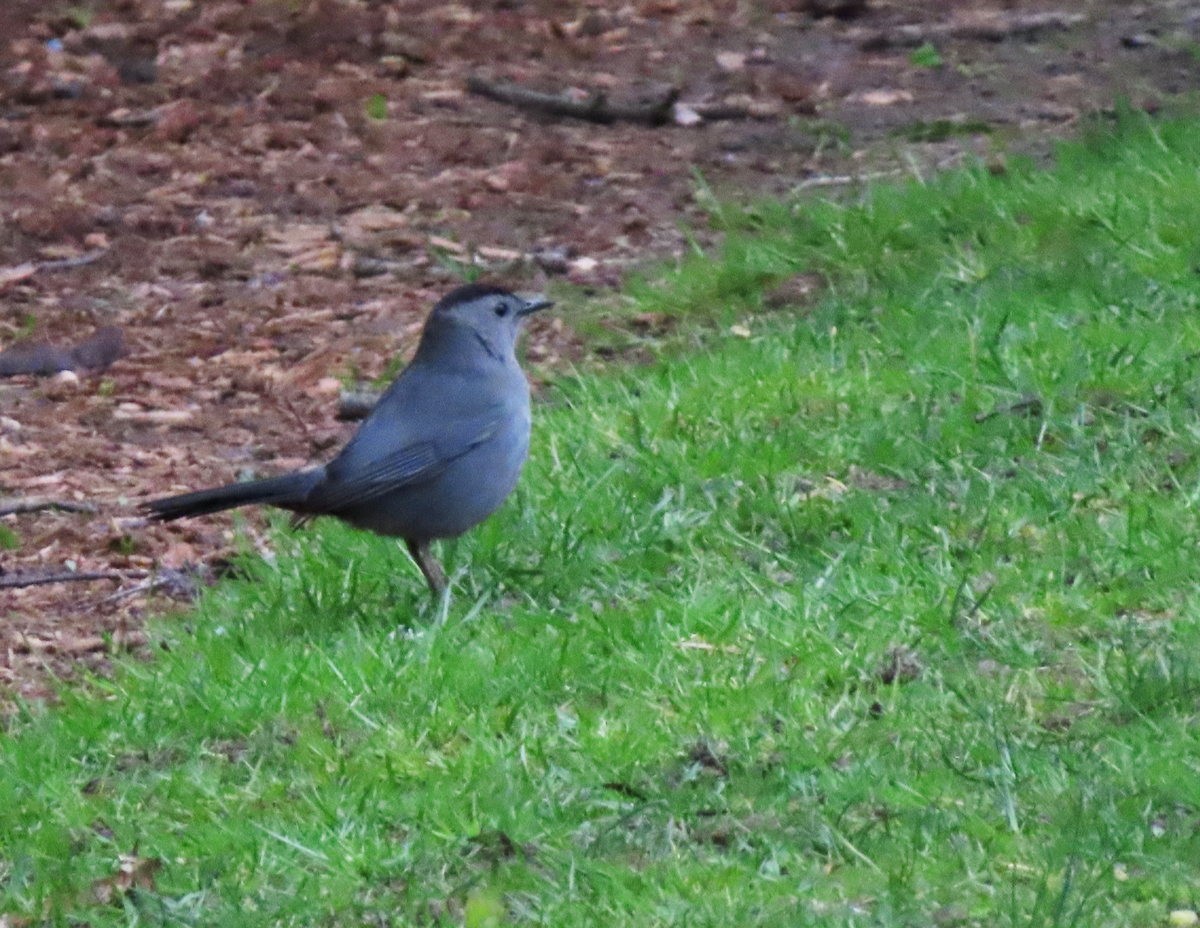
pixel 13 581
pixel 990 29
pixel 68 264
pixel 596 108
pixel 15 505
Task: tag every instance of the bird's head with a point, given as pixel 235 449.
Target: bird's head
pixel 491 314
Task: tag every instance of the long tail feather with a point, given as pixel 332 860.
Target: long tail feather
pixel 287 491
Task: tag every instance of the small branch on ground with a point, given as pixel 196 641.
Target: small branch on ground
pixel 594 108
pixel 18 581
pixel 285 403
pixel 16 505
pixel 980 29
pixel 69 264
pixel 178 584
pixel 20 273
pixel 841 180
pixel 83 644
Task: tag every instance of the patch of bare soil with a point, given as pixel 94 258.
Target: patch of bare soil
pixel 212 213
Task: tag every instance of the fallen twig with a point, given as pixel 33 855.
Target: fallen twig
pixel 85 644
pixel 16 505
pixel 180 584
pixel 17 581
pixel 594 108
pixel 285 403
pixel 841 180
pixel 980 29
pixel 19 273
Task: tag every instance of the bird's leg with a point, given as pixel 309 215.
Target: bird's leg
pixel 430 568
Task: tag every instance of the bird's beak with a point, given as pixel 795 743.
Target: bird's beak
pixel 533 304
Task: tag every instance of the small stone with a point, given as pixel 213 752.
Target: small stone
pixel 883 96
pixel 684 115
pixel 394 65
pixel 731 61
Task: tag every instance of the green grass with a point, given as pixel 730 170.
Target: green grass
pixel 662 693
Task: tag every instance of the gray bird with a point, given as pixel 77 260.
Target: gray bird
pixel 439 453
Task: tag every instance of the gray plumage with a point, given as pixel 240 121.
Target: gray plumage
pixel 439 453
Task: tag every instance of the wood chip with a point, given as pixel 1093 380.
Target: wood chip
pixel 17 273
pixel 154 416
pixel 882 97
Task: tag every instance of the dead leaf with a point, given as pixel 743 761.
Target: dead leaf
pixel 654 324
pixel 376 222
pixel 796 291
pixel 868 480
pixel 829 488
pixel 900 665
pixel 710 756
pixel 176 121
pixel 320 260
pixel 752 106
pixel 133 872
pixel 299 238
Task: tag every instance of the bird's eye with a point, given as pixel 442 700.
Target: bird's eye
pixel 501 310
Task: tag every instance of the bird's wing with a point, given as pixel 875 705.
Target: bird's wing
pixel 360 474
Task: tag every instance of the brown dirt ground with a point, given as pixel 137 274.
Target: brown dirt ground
pixel 276 191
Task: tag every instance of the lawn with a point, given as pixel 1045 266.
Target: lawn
pixel 876 607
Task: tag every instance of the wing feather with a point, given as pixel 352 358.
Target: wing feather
pixel 353 481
